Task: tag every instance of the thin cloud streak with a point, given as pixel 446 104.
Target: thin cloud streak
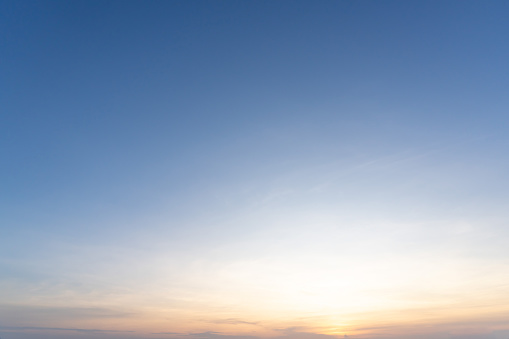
pixel 29 328
pixel 234 321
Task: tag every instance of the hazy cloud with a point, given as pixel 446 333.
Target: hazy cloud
pixel 14 314
pixel 28 328
pixel 290 333
pixel 167 333
pixel 291 329
pixel 233 321
pixel 206 335
pixel 298 333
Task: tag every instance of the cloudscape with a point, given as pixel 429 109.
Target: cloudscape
pixel 254 169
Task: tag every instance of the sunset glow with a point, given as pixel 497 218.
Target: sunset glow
pixel 254 169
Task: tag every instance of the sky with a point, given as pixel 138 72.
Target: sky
pixel 254 169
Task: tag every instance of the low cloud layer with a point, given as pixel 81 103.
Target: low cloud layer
pixel 83 330
pixel 21 315
pixel 13 332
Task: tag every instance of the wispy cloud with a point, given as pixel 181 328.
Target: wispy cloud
pixel 206 335
pixel 87 330
pixel 233 321
pixel 295 332
pixel 41 313
pixel 291 329
pixel 300 332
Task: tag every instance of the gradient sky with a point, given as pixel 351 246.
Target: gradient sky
pixel 251 169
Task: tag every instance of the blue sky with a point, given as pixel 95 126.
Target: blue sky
pixel 242 167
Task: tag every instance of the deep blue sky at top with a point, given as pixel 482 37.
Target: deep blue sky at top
pixel 126 103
